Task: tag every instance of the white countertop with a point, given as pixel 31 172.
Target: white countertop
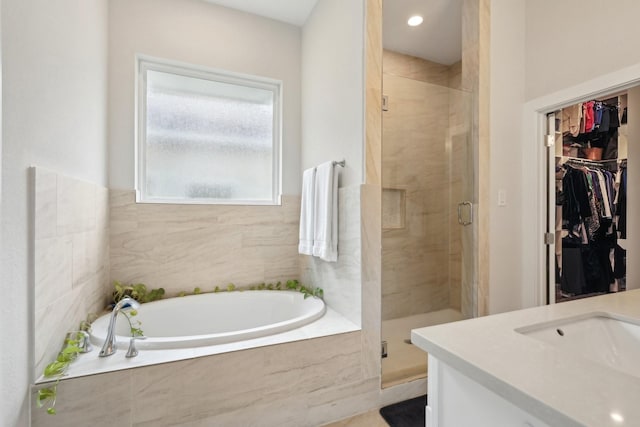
pixel 559 389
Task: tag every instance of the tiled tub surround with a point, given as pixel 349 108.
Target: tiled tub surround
pixel 306 383
pixel 180 247
pixel 292 378
pixel 71 257
pixel 166 246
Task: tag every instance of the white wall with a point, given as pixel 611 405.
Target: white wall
pixel 54 116
pixel 203 34
pixel 507 95
pixel 562 66
pixel 572 41
pixel 332 87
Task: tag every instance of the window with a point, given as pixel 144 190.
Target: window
pixel 206 136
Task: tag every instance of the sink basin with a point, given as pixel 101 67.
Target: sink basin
pixel 602 337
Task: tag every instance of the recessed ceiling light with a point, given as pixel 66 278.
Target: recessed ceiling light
pixel 415 20
pixel 617 417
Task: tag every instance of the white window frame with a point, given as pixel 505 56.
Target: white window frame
pixel 146 63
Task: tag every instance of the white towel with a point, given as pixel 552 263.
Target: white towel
pixel 307 212
pixel 325 236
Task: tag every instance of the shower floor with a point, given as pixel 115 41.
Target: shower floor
pixel 406 362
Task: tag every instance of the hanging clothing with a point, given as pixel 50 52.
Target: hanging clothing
pixel 589 116
pixel 589 207
pixel 571 119
pixel 621 209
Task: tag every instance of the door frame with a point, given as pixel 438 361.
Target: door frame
pixel 534 182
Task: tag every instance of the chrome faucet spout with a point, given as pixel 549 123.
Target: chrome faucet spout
pixel 109 346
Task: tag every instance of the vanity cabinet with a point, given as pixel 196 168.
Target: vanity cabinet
pixel 455 400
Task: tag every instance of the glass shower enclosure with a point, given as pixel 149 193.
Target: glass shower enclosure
pixel 428 262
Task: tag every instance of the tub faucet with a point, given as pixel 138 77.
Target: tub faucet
pixel 109 346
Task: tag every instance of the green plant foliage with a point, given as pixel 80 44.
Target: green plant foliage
pixel 134 324
pixel 231 287
pixel 56 369
pixel 69 353
pixel 137 291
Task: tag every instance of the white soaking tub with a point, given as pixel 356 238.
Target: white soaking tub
pixel 213 318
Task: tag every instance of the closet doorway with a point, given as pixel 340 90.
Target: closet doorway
pixel 587 196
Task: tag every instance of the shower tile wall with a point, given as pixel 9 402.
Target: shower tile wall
pixel 180 247
pixel 417 259
pixel 71 258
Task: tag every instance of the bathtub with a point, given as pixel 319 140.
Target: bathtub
pixel 214 318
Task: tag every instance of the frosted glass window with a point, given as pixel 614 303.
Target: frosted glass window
pixel 207 137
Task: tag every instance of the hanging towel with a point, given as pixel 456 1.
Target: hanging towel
pixel 325 236
pixel 307 212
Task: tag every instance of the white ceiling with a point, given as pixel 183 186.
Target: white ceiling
pixel 438 39
pixel 290 11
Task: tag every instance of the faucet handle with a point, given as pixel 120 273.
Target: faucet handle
pixel 133 351
pixel 85 342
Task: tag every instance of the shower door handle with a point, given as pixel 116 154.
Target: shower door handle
pixel 461 220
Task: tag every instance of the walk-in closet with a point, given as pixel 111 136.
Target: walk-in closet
pixel 591 154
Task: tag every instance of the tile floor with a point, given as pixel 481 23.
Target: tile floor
pixel 407 362
pixel 368 419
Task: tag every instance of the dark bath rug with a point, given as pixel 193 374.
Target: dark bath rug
pixel 408 413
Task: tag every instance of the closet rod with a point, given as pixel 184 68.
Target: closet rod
pixel 616 105
pixel 591 162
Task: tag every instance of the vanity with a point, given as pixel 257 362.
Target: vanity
pixel 571 364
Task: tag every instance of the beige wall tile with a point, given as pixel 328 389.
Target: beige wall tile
pixel 180 247
pixel 45 201
pixel 371 243
pixel 414 68
pixel 373 93
pixel 306 383
pixel 475 78
pixel 71 258
pixel 53 269
pixel 98 400
pixel 342 280
pixel 76 205
pixel 52 321
pixel 236 387
pixel 455 75
pixel 339 402
pixel 89 250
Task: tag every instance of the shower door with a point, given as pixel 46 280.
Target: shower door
pixel 428 199
pixel 428 203
pixel 463 191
